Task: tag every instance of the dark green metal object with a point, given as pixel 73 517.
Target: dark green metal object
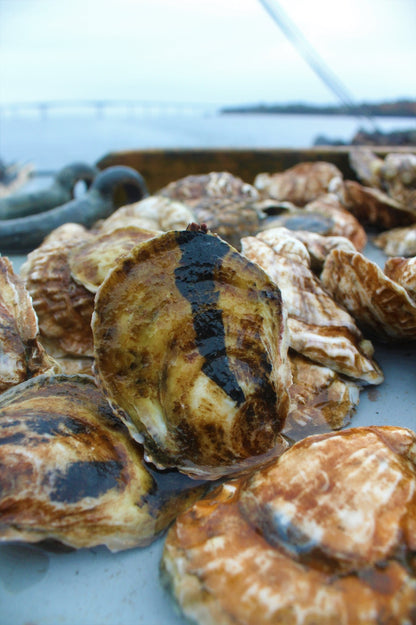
pixel 112 188
pixel 61 191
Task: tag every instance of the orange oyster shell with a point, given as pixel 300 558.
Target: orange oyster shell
pixel 325 534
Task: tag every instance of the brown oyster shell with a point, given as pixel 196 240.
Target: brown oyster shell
pixel 64 308
pixel 398 241
pixel 318 327
pixel 299 184
pixel 151 213
pixel 325 534
pixel 321 399
pixel 191 189
pixel 21 354
pixel 91 260
pixel 69 471
pixel 402 271
pixel 374 207
pixel 190 340
pixel 380 306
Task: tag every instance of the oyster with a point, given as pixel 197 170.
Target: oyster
pixel 381 306
pixel 321 399
pixel 63 307
pixel 374 207
pixel 395 174
pixel 21 353
pixel 398 241
pixel 318 327
pixel 299 184
pixel 91 260
pixel 69 471
pixel 225 203
pixel 152 213
pixel 325 534
pixel 402 271
pixel 192 189
pixel 325 216
pixel 190 340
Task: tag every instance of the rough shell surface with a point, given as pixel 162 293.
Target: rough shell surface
pixel 192 189
pixel 63 307
pixel 321 399
pixel 21 354
pixel 299 184
pixel 152 213
pixel 402 271
pixel 91 260
pixel 374 207
pixel 318 327
pixel 326 534
pixel 398 241
pixel 190 340
pixel 379 305
pixel 69 471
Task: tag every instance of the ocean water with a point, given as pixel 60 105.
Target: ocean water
pixel 57 140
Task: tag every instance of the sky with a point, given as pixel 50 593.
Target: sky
pixel 204 51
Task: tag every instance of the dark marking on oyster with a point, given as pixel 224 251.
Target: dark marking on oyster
pixel 85 479
pixel 194 278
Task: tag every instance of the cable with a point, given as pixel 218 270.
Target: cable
pixel 327 76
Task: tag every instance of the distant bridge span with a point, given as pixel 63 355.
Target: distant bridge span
pixel 99 107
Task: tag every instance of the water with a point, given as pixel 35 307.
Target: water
pixel 55 141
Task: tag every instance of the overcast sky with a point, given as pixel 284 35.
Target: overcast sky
pixel 219 51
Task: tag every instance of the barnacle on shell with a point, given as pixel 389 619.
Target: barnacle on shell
pixel 190 340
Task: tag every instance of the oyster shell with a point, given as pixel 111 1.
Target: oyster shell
pixel 381 306
pixel 21 353
pixel 91 260
pixel 398 241
pixel 152 213
pixel 63 307
pixel 374 207
pixel 402 271
pixel 318 327
pixel 299 184
pixel 321 399
pixel 192 189
pixel 325 534
pixel 395 174
pixel 190 340
pixel 325 216
pixel 69 471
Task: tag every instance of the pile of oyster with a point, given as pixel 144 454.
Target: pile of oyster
pixel 190 361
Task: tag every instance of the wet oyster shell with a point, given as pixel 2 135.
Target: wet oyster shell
pixel 299 184
pixel 21 354
pixel 318 327
pixel 69 471
pixel 398 241
pixel 402 271
pixel 321 399
pixel 63 307
pixel 380 306
pixel 190 340
pixel 325 534
pixel 91 260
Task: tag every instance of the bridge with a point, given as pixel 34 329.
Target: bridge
pixel 101 107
